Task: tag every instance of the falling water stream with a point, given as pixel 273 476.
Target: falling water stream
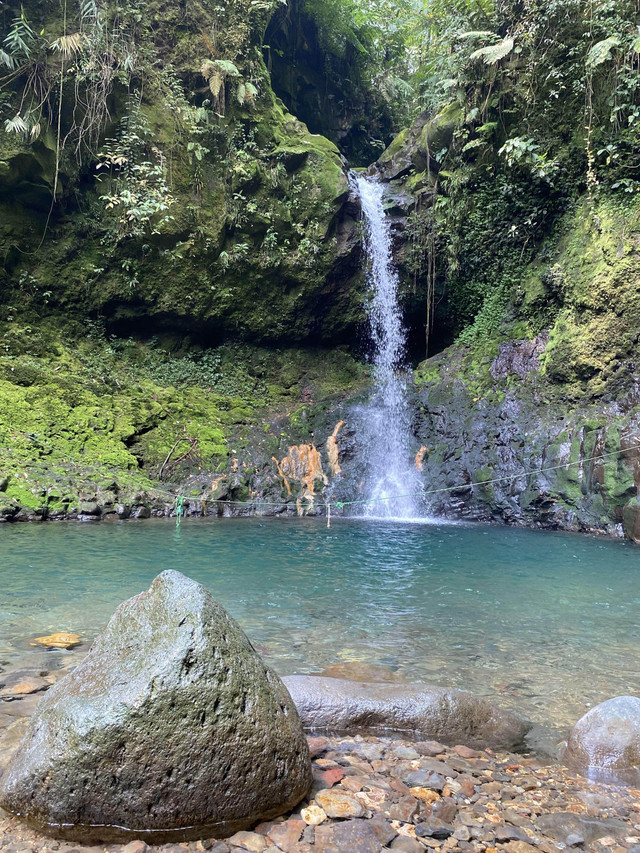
pixel 391 482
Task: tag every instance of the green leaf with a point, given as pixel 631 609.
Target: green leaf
pixel 478 34
pixel 601 51
pixel 226 67
pixel 493 53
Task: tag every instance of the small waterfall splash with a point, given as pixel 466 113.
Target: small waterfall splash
pixel 391 481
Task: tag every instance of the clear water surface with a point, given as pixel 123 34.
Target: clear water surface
pixel 546 623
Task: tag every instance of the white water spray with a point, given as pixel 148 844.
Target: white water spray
pixel 391 481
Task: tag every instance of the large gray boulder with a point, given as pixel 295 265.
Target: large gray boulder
pixel 172 727
pixel 411 710
pixel 604 745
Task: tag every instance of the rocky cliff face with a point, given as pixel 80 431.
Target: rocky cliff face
pixel 519 453
pixel 183 315
pixel 159 209
pixel 194 203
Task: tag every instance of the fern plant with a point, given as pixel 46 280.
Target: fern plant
pixel 18 43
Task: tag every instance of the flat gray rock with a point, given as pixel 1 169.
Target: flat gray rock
pixel 604 744
pixel 562 825
pixel 171 728
pixel 416 711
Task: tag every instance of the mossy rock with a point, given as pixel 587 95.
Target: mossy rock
pixel 437 134
pixel 631 520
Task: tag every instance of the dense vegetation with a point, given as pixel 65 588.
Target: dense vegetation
pixel 173 193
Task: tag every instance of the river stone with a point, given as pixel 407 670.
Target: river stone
pixel 171 728
pixel 604 745
pixel 413 711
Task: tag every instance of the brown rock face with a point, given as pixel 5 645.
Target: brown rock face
pixel 171 728
pixel 416 710
pixel 604 745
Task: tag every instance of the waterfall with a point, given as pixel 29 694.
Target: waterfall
pixel 391 482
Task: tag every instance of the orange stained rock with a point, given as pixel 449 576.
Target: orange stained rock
pixel 420 457
pixel 57 641
pixel 332 449
pixel 302 464
pixel 282 474
pixel 215 483
pixel 426 795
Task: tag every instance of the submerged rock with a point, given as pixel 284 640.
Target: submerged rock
pixel 62 640
pixel 171 727
pixel 604 745
pixel 565 826
pixel 417 710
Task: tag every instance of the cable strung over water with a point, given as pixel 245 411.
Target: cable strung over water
pixel 391 482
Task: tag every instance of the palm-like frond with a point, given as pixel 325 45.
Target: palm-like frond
pixel 494 52
pixel 68 45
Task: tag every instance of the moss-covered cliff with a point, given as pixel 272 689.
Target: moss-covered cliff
pixel 546 373
pixel 182 294
pixel 158 206
pixel 194 202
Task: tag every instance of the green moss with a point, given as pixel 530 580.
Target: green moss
pixel 112 414
pixel 396 146
pixel 246 248
pixel 437 133
pixel 426 373
pixel 594 273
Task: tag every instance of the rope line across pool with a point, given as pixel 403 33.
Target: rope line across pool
pixel 423 493
pixel 179 500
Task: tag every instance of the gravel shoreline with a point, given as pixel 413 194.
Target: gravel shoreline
pixel 372 794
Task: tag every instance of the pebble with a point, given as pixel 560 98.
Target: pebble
pixel 339 805
pixel 407 845
pixel 250 841
pixel 406 752
pixel 429 747
pixel 434 829
pixel 313 815
pixel 500 803
pixel 285 835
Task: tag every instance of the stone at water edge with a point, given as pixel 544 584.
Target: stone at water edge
pixel 604 744
pixel 631 520
pixel 419 711
pixel 171 728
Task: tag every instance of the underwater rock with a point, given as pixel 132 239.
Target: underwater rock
pixel 562 825
pixel 353 670
pixel 172 727
pixel 419 710
pixel 60 640
pixel 604 745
